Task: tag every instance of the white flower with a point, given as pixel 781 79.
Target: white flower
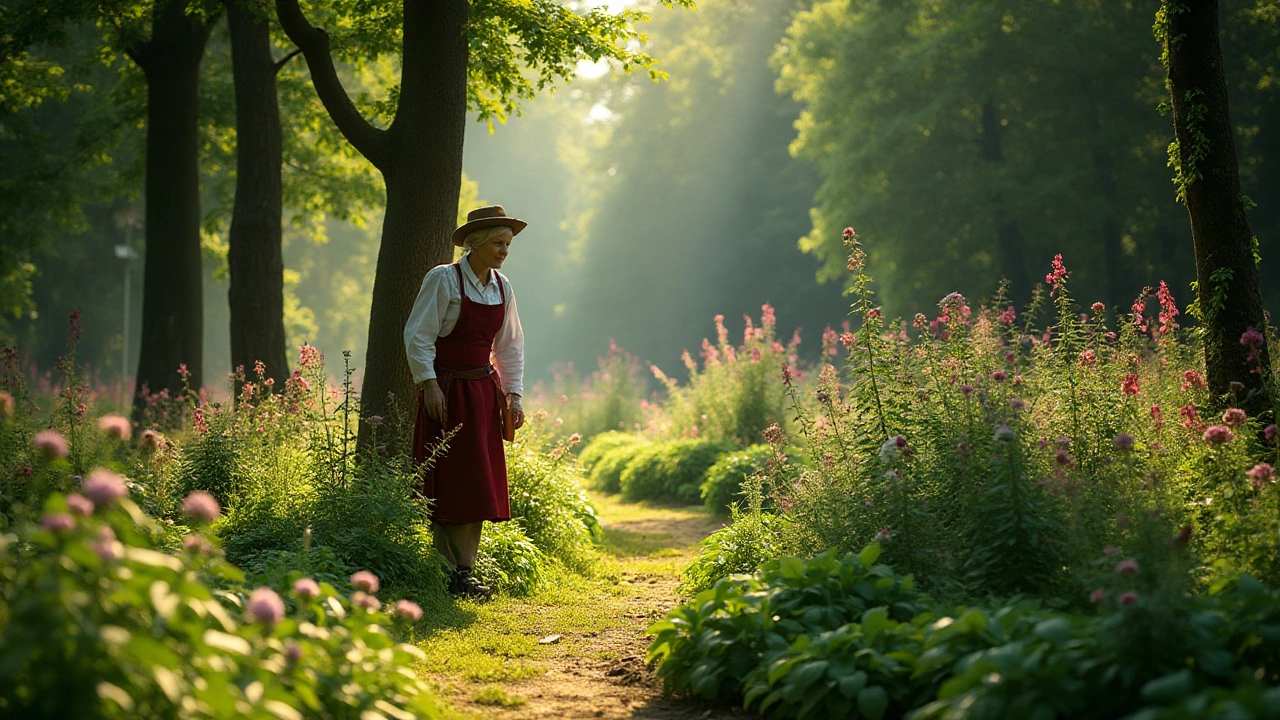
pixel 890 451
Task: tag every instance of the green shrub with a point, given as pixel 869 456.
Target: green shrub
pixel 740 547
pixel 508 559
pixel 722 490
pixel 547 498
pixel 670 471
pixel 602 444
pixel 606 473
pixel 97 623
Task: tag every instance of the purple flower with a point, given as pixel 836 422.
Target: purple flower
pixel 364 600
pixel 117 426
pixel 1097 596
pixel 366 581
pixel 1128 598
pixel 57 522
pixel 265 606
pixel 51 444
pixel 79 504
pixel 1123 441
pixel 1127 567
pixel 1217 435
pixel 292 653
pixel 409 609
pixel 106 546
pixel 306 589
pixel 1234 417
pixel 1270 432
pixel 201 506
pixel 1260 474
pixel 104 487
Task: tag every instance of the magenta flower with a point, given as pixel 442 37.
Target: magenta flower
pixel 1063 458
pixel 104 487
pixel 51 444
pixel 1098 595
pixel 1123 441
pixel 1127 567
pixel 1130 384
pixel 79 504
pixel 117 426
pixel 1168 308
pixel 1128 598
pixel 1058 273
pixel 364 600
pixel 366 581
pixel 409 609
pixel 306 589
pixel 1008 317
pixel 1259 474
pixel 1217 435
pixel 57 522
pixel 1097 308
pixel 1088 357
pixel 1234 417
pixel 1192 379
pixel 265 606
pixel 201 506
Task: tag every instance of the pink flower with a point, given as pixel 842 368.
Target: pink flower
pixel 306 589
pixel 1192 379
pixel 117 426
pixel 768 318
pixel 79 504
pixel 1259 474
pixel 1127 567
pixel 1088 357
pixel 51 444
pixel 1123 441
pixel 874 313
pixel 884 535
pixel 6 404
pixel 1130 384
pixel 366 581
pixel 999 376
pixel 1270 432
pixel 57 522
pixel 150 439
pixel 1097 308
pixel 1008 317
pixel 574 439
pixel 104 487
pixel 201 506
pixel 1168 308
pixel 1157 416
pixel 1062 458
pixel 966 389
pixel 107 547
pixel 265 606
pixel 1217 435
pixel 408 609
pixel 309 356
pixel 1234 417
pixel 774 435
pixel 849 232
pixel 1097 596
pixel 197 544
pixel 292 653
pixel 364 600
pixel 1128 598
pixel 1058 273
pixel 183 371
pixel 786 374
pixel 1110 550
pixel 1253 341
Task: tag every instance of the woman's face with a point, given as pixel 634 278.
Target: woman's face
pixel 493 251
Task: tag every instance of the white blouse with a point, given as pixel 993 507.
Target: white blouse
pixel 436 311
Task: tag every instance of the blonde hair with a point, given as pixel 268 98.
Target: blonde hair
pixel 476 238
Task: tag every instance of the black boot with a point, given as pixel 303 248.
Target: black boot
pixel 462 583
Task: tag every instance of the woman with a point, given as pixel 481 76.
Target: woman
pixel 466 353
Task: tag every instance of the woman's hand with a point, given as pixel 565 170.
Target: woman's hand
pixel 517 410
pixel 433 401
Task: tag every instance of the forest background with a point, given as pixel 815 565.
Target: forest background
pixel 966 141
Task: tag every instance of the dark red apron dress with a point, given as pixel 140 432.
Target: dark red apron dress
pixel 468 483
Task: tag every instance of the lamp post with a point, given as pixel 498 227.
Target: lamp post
pixel 128 220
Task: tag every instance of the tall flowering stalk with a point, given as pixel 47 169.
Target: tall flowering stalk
pixel 869 334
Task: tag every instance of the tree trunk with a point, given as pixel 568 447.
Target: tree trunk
pixel 423 180
pixel 1009 241
pixel 172 308
pixel 1230 298
pixel 420 157
pixel 255 259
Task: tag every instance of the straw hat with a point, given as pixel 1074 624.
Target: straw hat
pixel 484 217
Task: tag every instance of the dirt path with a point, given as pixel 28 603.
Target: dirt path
pixel 595 667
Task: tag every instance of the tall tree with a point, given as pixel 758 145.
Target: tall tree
pixel 1203 155
pixel 255 258
pixel 442 43
pixel 172 301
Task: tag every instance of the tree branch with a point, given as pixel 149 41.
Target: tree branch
pixel 279 64
pixel 368 140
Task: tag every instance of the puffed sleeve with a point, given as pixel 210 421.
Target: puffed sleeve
pixel 425 320
pixel 508 346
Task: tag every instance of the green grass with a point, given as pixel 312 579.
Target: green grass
pixel 495 695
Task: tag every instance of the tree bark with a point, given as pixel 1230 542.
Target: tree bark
pixel 420 156
pixel 172 306
pixel 1230 298
pixel 255 258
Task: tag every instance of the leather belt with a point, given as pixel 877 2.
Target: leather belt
pixel 475 374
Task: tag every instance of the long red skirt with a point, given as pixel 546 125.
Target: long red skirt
pixel 467 482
